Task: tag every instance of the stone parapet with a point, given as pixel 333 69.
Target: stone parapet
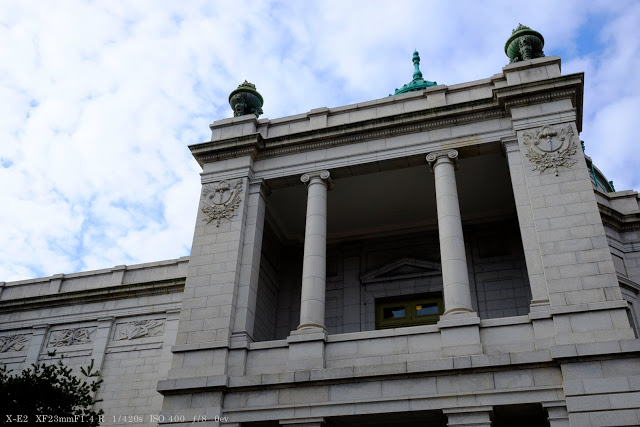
pixel 158 271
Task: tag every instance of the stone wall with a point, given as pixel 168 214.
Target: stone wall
pixel 124 319
pixel 500 273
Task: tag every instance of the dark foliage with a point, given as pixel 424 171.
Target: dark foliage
pixel 49 393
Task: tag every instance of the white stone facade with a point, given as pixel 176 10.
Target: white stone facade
pixel 124 318
pixel 476 195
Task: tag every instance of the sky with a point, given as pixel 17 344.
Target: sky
pixel 99 100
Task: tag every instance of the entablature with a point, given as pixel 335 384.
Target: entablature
pixel 531 82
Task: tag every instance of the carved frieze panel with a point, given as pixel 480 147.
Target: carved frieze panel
pixel 221 199
pixel 16 342
pixel 72 336
pixel 550 147
pixel 139 329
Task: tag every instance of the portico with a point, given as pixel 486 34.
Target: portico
pixel 456 289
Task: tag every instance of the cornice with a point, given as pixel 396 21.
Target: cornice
pixel 387 127
pixel 628 284
pixel 395 124
pixel 545 97
pixel 564 87
pixel 259 147
pixel 234 147
pixel 618 221
pixel 161 287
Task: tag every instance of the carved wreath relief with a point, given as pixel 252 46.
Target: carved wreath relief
pixel 13 342
pixel 550 147
pixel 221 199
pixel 139 329
pixel 74 336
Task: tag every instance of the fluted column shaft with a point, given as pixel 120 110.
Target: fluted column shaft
pixel 455 276
pixel 314 264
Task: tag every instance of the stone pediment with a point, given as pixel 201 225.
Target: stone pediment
pixel 404 268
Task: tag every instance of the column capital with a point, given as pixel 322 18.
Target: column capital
pixel 324 175
pixel 450 156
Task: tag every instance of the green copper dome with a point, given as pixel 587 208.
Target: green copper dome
pixel 418 83
pixel 598 180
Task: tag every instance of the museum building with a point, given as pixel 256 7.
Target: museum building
pixel 443 256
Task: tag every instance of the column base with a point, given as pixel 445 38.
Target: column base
pixel 307 332
pixel 304 326
pixel 458 310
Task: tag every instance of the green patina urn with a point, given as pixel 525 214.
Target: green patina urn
pixel 524 44
pixel 246 100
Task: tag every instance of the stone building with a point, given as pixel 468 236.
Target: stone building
pixel 446 256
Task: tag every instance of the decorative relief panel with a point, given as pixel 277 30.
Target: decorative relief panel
pixel 139 329
pixel 74 336
pixel 221 199
pixel 13 342
pixel 550 147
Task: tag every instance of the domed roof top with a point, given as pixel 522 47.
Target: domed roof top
pixel 598 180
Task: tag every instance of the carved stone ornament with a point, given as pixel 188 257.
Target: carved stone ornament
pixel 74 336
pixel 221 199
pixel 139 329
pixel 550 147
pixel 13 342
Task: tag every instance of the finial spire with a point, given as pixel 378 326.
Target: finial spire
pixel 416 64
pixel 418 83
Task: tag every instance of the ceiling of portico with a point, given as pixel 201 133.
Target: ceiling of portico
pixel 393 197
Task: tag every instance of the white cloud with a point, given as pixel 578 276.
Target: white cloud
pixel 101 99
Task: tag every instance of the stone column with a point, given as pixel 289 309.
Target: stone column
pixel 314 264
pixel 469 417
pixel 455 276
